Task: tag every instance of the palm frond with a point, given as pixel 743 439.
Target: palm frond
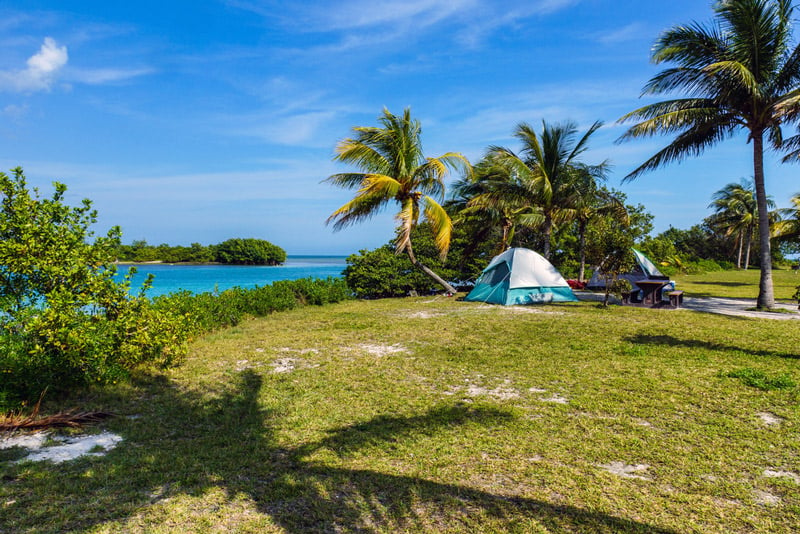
pixel 440 222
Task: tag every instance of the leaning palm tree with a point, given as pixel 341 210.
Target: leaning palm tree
pixel 545 172
pixel 394 169
pixel 741 72
pixel 736 213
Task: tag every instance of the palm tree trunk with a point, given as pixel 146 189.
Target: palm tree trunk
pixel 749 243
pixel 739 256
pixel 766 295
pixel 547 229
pixel 447 287
pixel 582 245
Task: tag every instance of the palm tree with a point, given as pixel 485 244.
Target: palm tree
pixel 394 169
pixel 492 196
pixel 789 225
pixel 543 176
pixel 736 212
pixel 740 73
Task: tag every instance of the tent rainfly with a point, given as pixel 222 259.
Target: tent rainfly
pixel 520 276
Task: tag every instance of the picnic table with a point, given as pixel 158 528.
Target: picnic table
pixel 651 290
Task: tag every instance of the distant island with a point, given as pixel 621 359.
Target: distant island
pixel 236 251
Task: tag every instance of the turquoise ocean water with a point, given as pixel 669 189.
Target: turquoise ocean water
pixel 170 278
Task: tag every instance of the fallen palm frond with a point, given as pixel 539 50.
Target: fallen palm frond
pixel 69 419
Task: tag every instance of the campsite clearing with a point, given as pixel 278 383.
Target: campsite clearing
pixel 434 414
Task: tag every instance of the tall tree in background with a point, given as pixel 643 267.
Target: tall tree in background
pixel 740 72
pixel 736 213
pixel 590 202
pixel 394 169
pixel 495 196
pixel 544 174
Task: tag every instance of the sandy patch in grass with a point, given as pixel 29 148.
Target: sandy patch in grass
pixel 68 448
pixel 423 315
pixel 769 473
pixel 27 441
pixel 624 470
pixel 243 365
pixel 766 498
pixel 501 392
pixel 770 418
pixel 287 365
pixel 380 350
pixel 558 399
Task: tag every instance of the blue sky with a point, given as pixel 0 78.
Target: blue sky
pixel 199 121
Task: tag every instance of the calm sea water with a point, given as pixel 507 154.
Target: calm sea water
pixel 170 278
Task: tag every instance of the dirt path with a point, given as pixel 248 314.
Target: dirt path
pixel 738 307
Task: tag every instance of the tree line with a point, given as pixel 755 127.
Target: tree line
pixel 739 72
pixel 237 251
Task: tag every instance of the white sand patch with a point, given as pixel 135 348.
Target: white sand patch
pixel 642 422
pixel 259 349
pixel 28 441
pixel 537 390
pixel 626 471
pixel 423 315
pixel 502 392
pixel 770 418
pixel 381 350
pixel 765 498
pixel 287 365
pixel 558 399
pixel 769 473
pixel 72 447
pixel 522 309
pixel 242 365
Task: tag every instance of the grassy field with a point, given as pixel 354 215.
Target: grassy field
pixel 438 415
pixel 737 284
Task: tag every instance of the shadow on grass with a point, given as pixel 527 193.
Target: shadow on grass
pixel 723 284
pixel 672 341
pixel 183 443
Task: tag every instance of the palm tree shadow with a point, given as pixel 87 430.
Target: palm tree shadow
pixel 672 341
pixel 197 445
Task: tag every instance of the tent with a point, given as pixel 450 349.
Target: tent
pixel 644 270
pixel 520 276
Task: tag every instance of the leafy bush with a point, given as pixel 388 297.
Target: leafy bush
pixel 205 312
pixel 759 379
pixel 382 273
pixel 249 252
pixel 64 319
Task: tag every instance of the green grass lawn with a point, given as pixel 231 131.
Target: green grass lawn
pixel 438 415
pixel 737 284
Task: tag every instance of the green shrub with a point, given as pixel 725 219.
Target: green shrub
pixel 249 252
pixel 205 312
pixel 759 379
pixel 64 319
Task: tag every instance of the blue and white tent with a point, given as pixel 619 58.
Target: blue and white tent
pixel 520 276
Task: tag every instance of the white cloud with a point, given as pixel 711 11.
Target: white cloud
pixel 42 69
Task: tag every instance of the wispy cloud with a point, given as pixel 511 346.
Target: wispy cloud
pixel 629 32
pixel 41 71
pixel 105 75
